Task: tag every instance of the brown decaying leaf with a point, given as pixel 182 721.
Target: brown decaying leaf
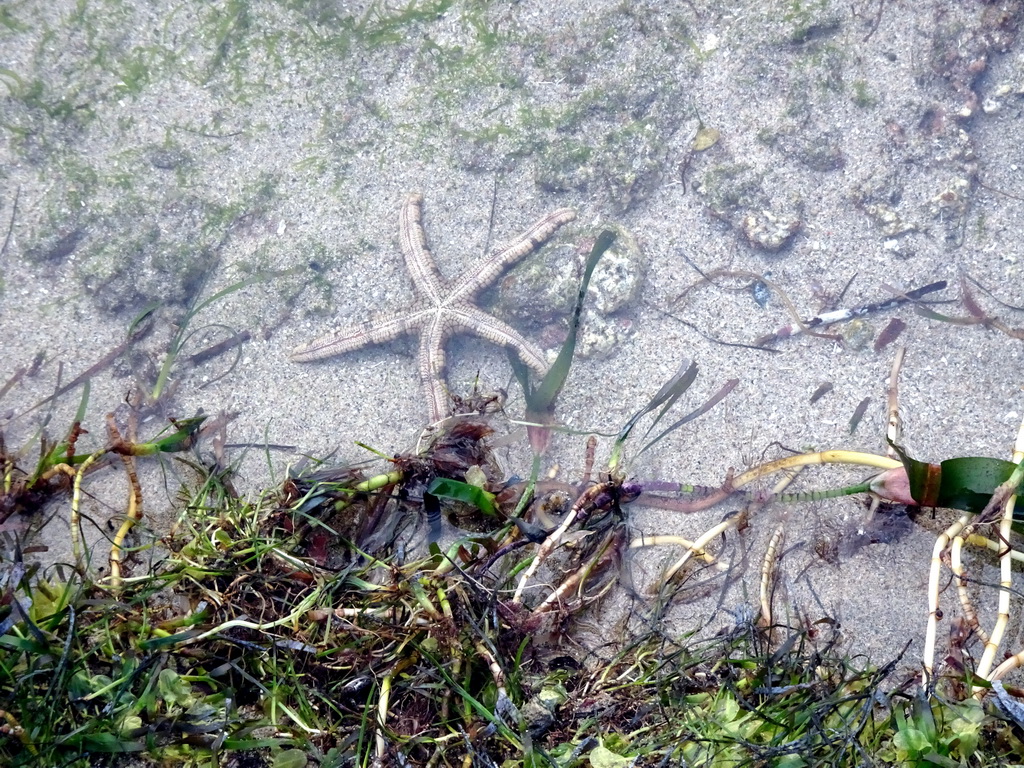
pixel 889 334
pixel 823 389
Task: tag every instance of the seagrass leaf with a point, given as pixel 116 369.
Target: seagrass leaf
pixel 966 483
pixel 456 490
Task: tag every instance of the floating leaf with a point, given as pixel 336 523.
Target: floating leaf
pixel 706 138
pixel 291 758
pixel 173 690
pixel 129 725
pixel 602 757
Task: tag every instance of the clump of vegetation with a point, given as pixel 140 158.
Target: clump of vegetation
pixel 309 624
pixel 424 613
pixel 314 622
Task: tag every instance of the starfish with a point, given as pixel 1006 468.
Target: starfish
pixel 444 307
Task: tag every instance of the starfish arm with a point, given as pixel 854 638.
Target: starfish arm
pixel 422 269
pixel 444 307
pixel 432 364
pixel 488 327
pixel 478 277
pixel 374 331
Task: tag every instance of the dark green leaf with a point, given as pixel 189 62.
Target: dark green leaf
pixel 144 315
pixel 931 314
pixel 541 399
pixel 936 759
pixel 23 644
pixel 84 403
pixel 182 438
pixel 670 391
pixel 667 395
pixel 965 483
pixel 159 643
pixel 968 483
pixel 246 744
pixel 109 742
pixel 714 400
